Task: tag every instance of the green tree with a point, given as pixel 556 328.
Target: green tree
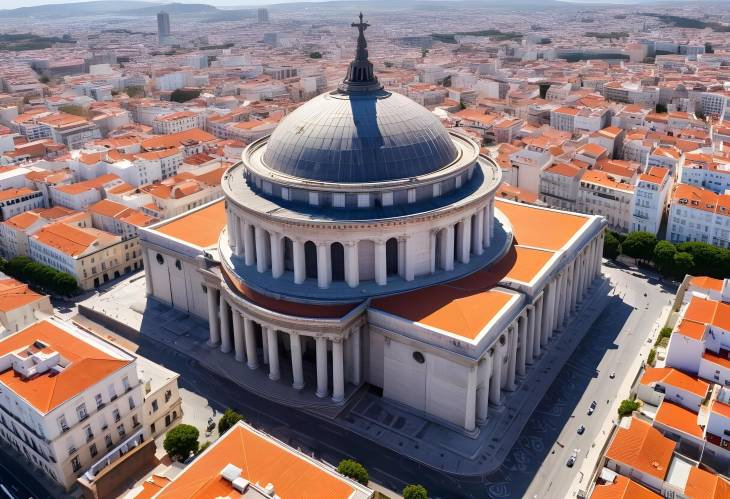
pixel 226 422
pixel 315 55
pixel 184 94
pixel 352 469
pixel 652 357
pixel 44 79
pixel 683 263
pixel 204 446
pixel 181 441
pixel 709 260
pixel 664 252
pixel 627 407
pixel 415 491
pixel 661 108
pixel 135 91
pixel 708 48
pixel 639 245
pixel 611 246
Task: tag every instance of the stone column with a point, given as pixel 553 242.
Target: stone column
pixel 213 324
pixel 512 360
pixel 324 268
pixel 447 248
pixel 465 253
pixel 277 255
pixel 273 346
pixel 238 335
pixel 261 250
pixel 548 312
pixel 434 256
pixel 539 311
pixel 296 361
pixel 471 399
pixel 495 380
pixel 239 236
pixel 522 344
pixel 410 272
pixel 231 229
pixel 300 269
pixel 486 223
pixel 560 300
pixel 402 257
pixel 225 326
pixel 356 355
pixel 248 245
pixel 338 372
pixel 483 394
pixel 477 239
pixel 251 357
pixel 352 264
pixel 265 344
pixel 381 268
pixel 322 368
pixel 574 285
pixel 147 273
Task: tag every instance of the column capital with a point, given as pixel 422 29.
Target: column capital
pixel 350 244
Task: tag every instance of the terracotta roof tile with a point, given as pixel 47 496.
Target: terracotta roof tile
pixel 642 447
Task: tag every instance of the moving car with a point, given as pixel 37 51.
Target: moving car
pixel 581 430
pixel 612 375
pixel 592 408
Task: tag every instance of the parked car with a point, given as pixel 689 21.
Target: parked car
pixel 592 408
pixel 612 375
pixel 581 430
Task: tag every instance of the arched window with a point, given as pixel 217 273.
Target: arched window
pixel 310 259
pixel 159 258
pixel 337 254
pixel 288 254
pixel 391 256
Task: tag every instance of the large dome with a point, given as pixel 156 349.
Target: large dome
pixel 351 137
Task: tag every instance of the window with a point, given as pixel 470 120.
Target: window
pixel 154 405
pixel 160 260
pixel 62 423
pixel 121 431
pixel 92 450
pixel 125 384
pixel 81 412
pixel 99 403
pixel 89 434
pixel 108 441
pixel 112 393
pixel 115 415
pixel 131 403
pixel 135 421
pixel 76 464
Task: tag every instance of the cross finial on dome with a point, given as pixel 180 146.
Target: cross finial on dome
pixel 360 74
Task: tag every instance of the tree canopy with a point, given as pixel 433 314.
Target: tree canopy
pixel 229 418
pixel 611 246
pixel 639 245
pixel 415 491
pixel 352 469
pixel 181 441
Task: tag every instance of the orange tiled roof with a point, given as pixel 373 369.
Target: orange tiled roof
pixel 15 294
pixel 87 366
pixel 704 485
pixel 73 241
pixel 708 312
pixel 263 460
pixel 623 488
pixel 703 282
pixel 15 193
pixel 200 227
pixel 677 417
pixel 643 448
pixel 676 378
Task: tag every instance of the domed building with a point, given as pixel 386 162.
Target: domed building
pixel 361 242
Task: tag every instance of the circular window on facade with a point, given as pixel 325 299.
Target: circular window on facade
pixel 178 264
pixel 160 260
pixel 418 357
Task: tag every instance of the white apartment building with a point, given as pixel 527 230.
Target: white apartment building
pixel 178 122
pixel 650 199
pixel 600 194
pixel 15 231
pixel 698 214
pixel 20 306
pixel 527 165
pixel 706 171
pixel 69 400
pixel 559 185
pixel 80 195
pixel 16 201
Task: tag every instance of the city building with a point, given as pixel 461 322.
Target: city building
pixel 20 306
pixel 651 195
pixel 698 214
pixel 163 26
pixel 16 201
pixel 376 253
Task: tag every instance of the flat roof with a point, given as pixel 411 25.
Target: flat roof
pixel 201 227
pixel 263 460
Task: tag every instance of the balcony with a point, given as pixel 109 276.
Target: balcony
pixel 110 457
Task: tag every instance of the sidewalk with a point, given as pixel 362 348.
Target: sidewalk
pixel 582 481
pixel 437 445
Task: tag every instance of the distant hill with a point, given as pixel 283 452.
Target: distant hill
pixel 107 7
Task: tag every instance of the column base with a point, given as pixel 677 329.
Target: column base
pixel 322 395
pixel 226 349
pixel 511 388
pixel 239 358
pixel 274 376
pixel 253 367
pixel 212 343
pixel 338 399
pixel 298 386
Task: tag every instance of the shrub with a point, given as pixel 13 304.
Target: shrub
pixel 181 441
pixel 639 245
pixel 611 246
pixel 352 469
pixel 315 55
pixel 226 422
pixel 627 407
pixel 205 445
pixel 415 491
pixel 652 357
